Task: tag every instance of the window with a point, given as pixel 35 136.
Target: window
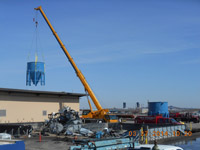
pixel 113 117
pixel 85 112
pixel 2 113
pixel 44 112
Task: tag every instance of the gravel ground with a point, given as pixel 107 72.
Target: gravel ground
pixel 62 143
pixel 47 143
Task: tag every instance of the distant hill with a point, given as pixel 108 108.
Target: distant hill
pixel 173 107
pixel 183 109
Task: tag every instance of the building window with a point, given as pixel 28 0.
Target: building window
pixel 2 113
pixel 44 113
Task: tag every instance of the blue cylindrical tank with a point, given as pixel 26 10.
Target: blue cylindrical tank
pixel 158 108
pixel 35 73
pixel 124 104
pixel 138 105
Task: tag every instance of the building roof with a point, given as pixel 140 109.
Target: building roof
pixel 37 93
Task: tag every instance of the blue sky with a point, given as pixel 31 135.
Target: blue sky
pixel 129 51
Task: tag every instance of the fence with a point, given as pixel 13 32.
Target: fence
pixel 158 133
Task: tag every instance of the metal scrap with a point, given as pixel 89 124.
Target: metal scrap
pixel 66 121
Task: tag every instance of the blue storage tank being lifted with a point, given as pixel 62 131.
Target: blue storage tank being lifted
pixel 35 73
pixel 158 108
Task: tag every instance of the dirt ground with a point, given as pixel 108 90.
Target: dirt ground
pixel 62 143
pixel 47 143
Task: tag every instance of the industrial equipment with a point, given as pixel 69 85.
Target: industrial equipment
pixel 35 73
pixel 100 113
pixel 185 117
pixel 158 108
pixel 35 69
pixel 124 105
pixel 109 143
pixel 155 120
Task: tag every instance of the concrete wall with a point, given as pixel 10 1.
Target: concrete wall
pixel 26 108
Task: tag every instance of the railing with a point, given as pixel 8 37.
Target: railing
pixel 164 132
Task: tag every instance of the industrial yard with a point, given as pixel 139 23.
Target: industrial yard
pixel 62 143
pixel 100 75
pixel 67 133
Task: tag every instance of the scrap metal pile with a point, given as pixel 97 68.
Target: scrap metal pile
pixel 66 121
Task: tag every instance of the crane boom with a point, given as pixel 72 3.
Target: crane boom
pixel 78 72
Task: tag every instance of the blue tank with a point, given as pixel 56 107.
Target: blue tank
pixel 138 105
pixel 158 108
pixel 124 104
pixel 35 73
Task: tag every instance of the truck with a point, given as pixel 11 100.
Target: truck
pixel 155 120
pixel 100 113
pixel 185 117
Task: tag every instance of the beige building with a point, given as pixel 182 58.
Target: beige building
pixel 33 106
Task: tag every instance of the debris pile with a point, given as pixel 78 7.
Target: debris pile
pixel 66 121
pixel 16 129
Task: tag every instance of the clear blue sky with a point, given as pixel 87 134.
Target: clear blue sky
pixel 129 51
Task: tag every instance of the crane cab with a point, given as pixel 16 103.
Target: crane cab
pixel 111 118
pixel 91 117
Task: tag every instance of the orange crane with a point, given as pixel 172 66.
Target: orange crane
pixel 100 113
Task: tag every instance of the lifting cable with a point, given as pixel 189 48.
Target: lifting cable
pixel 36 40
pixel 36 74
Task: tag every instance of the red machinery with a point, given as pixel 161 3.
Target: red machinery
pixel 155 120
pixel 185 117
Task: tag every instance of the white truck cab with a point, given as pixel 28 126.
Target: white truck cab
pixel 161 147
